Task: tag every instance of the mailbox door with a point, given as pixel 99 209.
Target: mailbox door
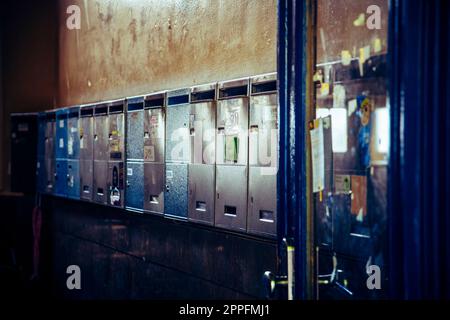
pixel 202 132
pixel 86 176
pixel 175 196
pixel 135 135
pixel 231 197
pixel 115 184
pixel 73 179
pixel 101 138
pixel 201 193
pixel 86 138
pixel 99 181
pixel 116 136
pixel 154 187
pixel 135 186
pixel 154 133
pixel 73 138
pixel 262 201
pixel 232 127
pixel 263 136
pixel 61 178
pixel 61 136
pixel 177 138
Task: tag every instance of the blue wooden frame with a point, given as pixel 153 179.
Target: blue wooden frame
pixel 292 141
pixel 419 241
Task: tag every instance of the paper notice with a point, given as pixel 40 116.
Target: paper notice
pixel 364 54
pixel 339 129
pixel 377 47
pixel 359 196
pixel 318 159
pixel 338 96
pixel 352 105
pixel 149 153
pixel 231 148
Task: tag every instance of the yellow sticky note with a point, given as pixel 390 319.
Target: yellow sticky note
pixel 364 54
pixel 377 45
pixel 346 57
pixel 360 21
pixel 325 89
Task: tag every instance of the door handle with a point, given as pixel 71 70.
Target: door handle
pixel 271 282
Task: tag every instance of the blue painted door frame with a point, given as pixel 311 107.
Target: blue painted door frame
pixel 419 195
pixel 292 142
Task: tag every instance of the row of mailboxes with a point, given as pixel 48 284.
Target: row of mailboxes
pixel 207 154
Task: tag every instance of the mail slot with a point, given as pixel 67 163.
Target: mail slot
pixel 116 152
pixel 154 138
pixel 86 151
pixel 134 195
pixel 263 155
pixel 201 173
pixel 100 152
pixel 232 155
pixel 177 153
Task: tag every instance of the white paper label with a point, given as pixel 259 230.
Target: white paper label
pixel 318 159
pixel 130 171
pixel 339 129
pixel 61 143
pixel 61 123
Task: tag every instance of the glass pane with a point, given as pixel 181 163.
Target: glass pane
pixel 349 147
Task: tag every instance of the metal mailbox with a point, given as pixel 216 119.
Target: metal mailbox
pixel 232 155
pixel 100 153
pixel 134 198
pixel 116 151
pixel 86 152
pixel 263 155
pixel 201 173
pixel 154 138
pixel 177 153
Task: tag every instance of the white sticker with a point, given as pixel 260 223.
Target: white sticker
pixel 81 143
pixel 318 159
pixel 352 105
pixel 70 146
pixel 339 129
pixel 338 96
pixel 130 171
pixel 61 123
pixel 38 165
pixel 61 143
pixel 169 174
pixel 74 129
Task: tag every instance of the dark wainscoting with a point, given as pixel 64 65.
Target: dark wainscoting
pixel 124 255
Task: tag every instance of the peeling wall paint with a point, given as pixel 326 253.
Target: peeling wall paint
pixel 130 47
